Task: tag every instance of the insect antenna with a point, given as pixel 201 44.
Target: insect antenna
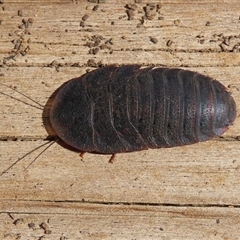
pixel 40 107
pixel 37 106
pixel 18 160
pixel 40 153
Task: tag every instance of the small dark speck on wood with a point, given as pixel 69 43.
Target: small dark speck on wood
pixel 91 63
pixel 130 14
pixel 18 221
pixel 207 23
pixel 150 11
pixel 94 51
pixel 85 17
pixel 130 10
pixel 20 13
pixel 153 40
pixel 169 43
pixel 95 8
pixel 82 24
pixel 54 63
pixel 176 22
pixel 31 225
pixel 45 227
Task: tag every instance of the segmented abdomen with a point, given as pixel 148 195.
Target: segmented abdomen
pixel 122 109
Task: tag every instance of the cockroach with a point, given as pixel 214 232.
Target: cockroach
pixel 127 108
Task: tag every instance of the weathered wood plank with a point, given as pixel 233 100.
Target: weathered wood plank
pixel 95 221
pixel 205 173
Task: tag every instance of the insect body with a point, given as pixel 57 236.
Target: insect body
pixel 128 108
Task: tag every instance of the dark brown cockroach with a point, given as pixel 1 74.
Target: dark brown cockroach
pixel 128 108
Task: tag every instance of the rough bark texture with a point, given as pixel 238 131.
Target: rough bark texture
pixel 189 192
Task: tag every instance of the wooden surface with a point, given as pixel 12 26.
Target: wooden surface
pixel 189 192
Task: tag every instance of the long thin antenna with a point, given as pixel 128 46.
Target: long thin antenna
pixel 40 154
pixel 22 95
pixel 29 104
pixel 28 154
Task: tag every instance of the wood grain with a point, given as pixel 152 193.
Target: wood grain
pixel 189 192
